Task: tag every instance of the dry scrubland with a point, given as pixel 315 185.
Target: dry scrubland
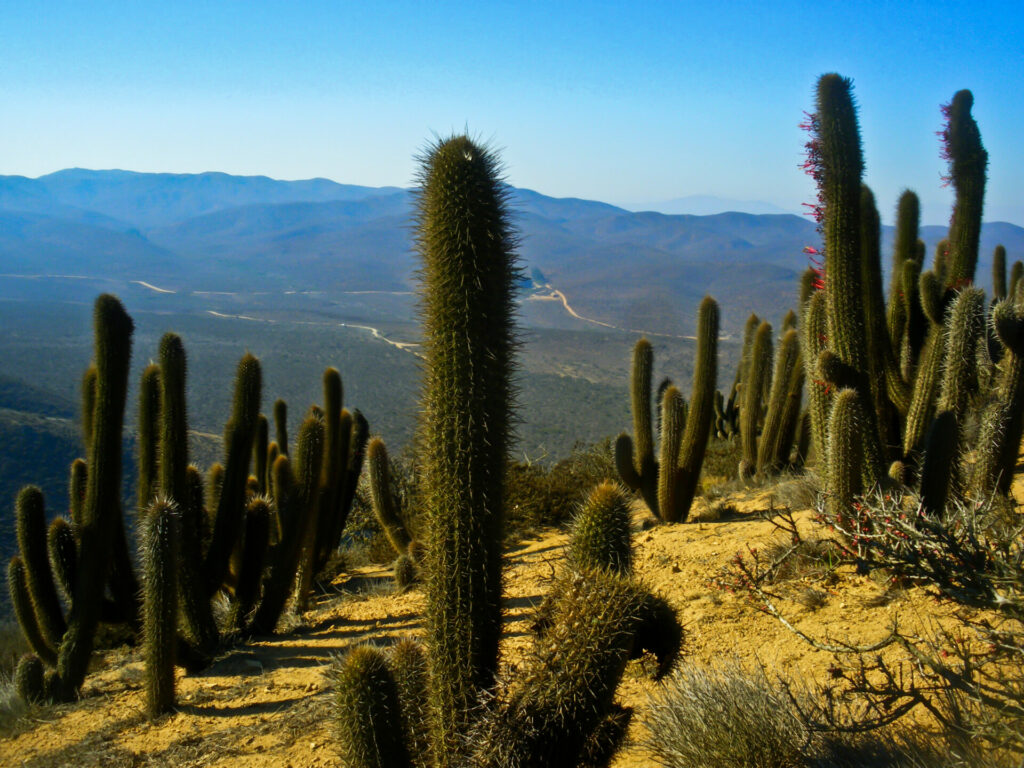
pixel 269 703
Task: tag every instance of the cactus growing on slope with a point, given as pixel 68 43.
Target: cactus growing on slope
pixel 467 247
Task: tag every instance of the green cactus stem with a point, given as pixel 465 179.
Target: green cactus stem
pixel 24 612
pixel 843 481
pixel 639 471
pixel 30 519
pixel 750 411
pixel 384 503
pixel 601 534
pixel 281 426
pixel 148 435
pixel 159 557
pixel 999 273
pixel 968 163
pixel 467 247
pixel 770 447
pixel 842 167
pixel 367 712
pixel 101 510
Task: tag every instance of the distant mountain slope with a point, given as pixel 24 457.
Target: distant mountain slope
pixel 159 199
pixel 215 232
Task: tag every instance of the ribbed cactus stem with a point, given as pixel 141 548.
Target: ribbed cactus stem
pixel 21 602
pixel 100 514
pixel 384 504
pixel 159 556
pixel 601 534
pixel 968 163
pixel 1016 273
pixel 999 273
pixel 368 714
pixel 843 480
pixel 1003 419
pixel 467 247
pixel 30 519
pixel 88 404
pixel 673 422
pixel 842 167
pixel 281 426
pixel 750 411
pixel 148 435
pixel 260 453
pixel 813 338
pixel 699 413
pixel 60 543
pixel 770 447
pixel 239 435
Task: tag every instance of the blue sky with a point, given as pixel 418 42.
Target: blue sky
pixel 620 102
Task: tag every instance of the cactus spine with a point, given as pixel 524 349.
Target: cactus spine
pixel 466 244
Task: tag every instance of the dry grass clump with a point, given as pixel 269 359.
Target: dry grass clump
pixel 707 717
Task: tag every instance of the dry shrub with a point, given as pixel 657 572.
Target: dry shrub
pixel 706 717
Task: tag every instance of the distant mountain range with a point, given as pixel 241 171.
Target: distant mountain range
pixel 706 205
pixel 217 232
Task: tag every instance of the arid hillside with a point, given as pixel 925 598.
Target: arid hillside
pixel 269 703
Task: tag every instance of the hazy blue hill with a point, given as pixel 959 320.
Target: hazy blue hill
pixel 34 242
pixel 215 232
pixel 158 199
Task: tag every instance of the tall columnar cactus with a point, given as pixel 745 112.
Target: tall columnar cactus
pixel 968 163
pixel 773 448
pixel 668 484
pixel 758 371
pixel 113 332
pixel 841 169
pixel 159 557
pixel 148 435
pixel 239 434
pixel 999 273
pixel 467 247
pixel 634 458
pixel 699 414
pixel 908 218
pixel 200 629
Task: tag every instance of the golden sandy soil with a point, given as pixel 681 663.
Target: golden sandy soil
pixel 267 703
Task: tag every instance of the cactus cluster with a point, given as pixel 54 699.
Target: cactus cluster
pixel 244 538
pixel 668 484
pixel 898 382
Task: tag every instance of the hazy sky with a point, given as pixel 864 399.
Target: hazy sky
pixel 623 102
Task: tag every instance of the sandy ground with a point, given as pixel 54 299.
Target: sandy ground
pixel 268 703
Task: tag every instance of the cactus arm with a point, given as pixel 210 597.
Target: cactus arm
pixel 159 556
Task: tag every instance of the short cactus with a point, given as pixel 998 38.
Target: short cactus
pixel 601 535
